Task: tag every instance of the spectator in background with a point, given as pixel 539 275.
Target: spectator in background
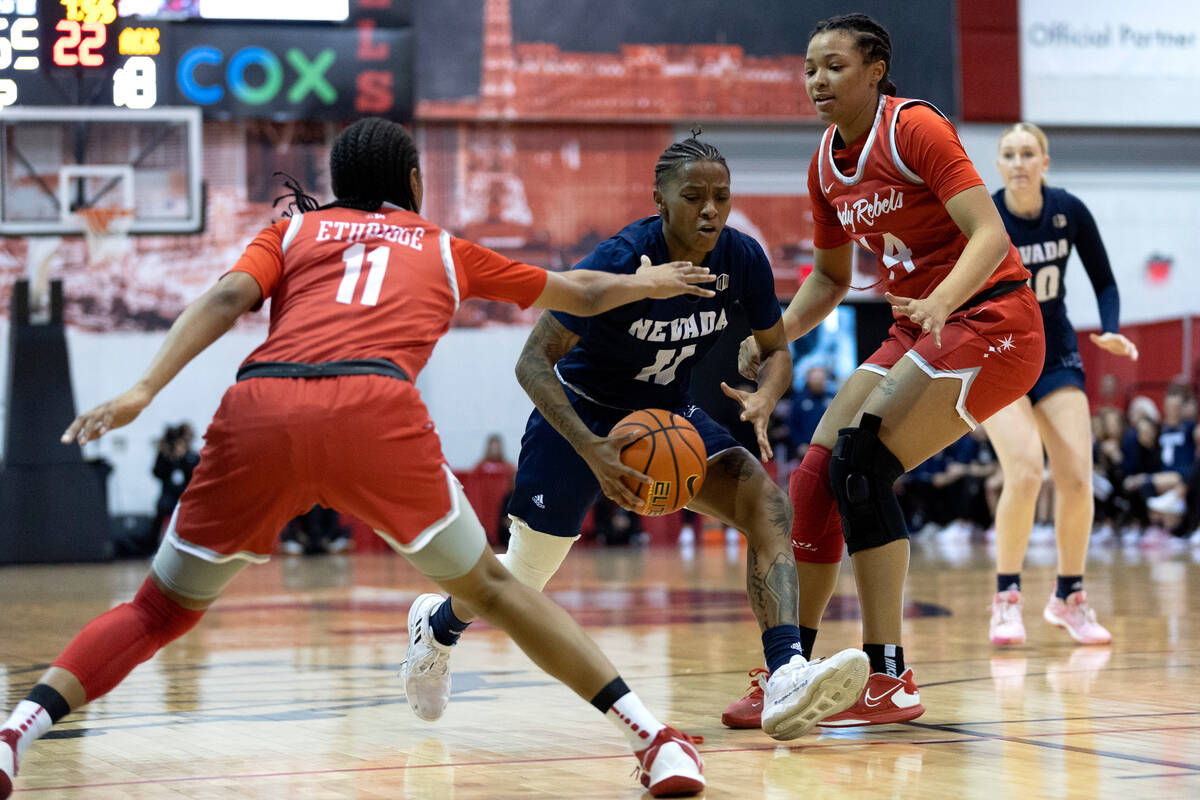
pixel 1140 462
pixel 318 530
pixel 489 485
pixel 1166 490
pixel 173 466
pixel 1108 427
pixel 808 406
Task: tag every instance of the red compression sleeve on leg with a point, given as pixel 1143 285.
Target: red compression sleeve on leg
pixel 111 645
pixel 817 525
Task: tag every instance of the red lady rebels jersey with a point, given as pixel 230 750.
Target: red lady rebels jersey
pixel 888 192
pixel 349 284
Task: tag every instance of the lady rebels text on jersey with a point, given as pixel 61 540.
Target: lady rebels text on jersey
pixel 894 205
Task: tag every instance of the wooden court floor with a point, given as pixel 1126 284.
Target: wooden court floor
pixel 288 687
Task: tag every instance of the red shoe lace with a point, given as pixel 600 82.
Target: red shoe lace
pixel 754 680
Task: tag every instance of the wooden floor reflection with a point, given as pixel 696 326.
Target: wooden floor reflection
pixel 288 687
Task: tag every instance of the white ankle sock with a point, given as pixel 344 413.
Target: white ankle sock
pixel 635 721
pixel 31 721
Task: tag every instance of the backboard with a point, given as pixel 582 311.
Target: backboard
pixel 55 161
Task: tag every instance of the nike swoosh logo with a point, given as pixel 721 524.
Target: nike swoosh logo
pixel 877 699
pixel 829 188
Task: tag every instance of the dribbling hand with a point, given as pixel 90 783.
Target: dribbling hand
pixel 115 413
pixel 1115 343
pixel 749 358
pixel 603 456
pixel 757 412
pixel 675 278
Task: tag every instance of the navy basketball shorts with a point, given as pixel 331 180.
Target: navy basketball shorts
pixel 555 488
pixel 1063 370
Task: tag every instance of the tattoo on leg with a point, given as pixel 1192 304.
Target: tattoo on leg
pixel 889 385
pixel 773 590
pixel 779 511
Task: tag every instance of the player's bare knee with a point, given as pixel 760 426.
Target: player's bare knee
pixel 863 471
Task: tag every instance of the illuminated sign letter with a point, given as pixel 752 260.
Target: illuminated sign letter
pixel 312 76
pixel 235 75
pixel 204 95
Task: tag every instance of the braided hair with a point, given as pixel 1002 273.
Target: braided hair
pixel 370 163
pixel 680 154
pixel 870 38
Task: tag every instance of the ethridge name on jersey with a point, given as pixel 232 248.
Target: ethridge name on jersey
pixel 338 231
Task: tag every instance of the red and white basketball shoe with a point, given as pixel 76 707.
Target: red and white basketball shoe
pixel 884 700
pixel 671 766
pixel 8 761
pixel 747 712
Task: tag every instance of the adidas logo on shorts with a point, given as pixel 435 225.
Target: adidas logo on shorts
pixel 539 501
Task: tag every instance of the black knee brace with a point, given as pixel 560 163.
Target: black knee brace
pixel 862 471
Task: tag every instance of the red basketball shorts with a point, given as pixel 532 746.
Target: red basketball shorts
pixel 363 444
pixel 996 349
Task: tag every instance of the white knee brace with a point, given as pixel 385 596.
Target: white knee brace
pixel 533 557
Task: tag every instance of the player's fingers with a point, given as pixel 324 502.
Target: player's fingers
pixel 635 476
pixel 701 292
pixel 1133 351
pixel 896 300
pixel 646 262
pixel 764 444
pixel 72 430
pixel 937 335
pixel 736 394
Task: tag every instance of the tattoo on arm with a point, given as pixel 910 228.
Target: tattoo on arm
pixel 547 343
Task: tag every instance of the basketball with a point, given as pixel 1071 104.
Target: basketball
pixel 670 451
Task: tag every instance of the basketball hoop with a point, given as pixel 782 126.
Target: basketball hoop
pixel 107 231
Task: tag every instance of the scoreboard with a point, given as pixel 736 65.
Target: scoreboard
pixel 98 53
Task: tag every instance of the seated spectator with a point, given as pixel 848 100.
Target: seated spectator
pixel 1166 490
pixel 173 464
pixel 808 406
pixel 318 530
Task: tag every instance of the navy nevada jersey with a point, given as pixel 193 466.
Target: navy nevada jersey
pixel 1045 244
pixel 641 355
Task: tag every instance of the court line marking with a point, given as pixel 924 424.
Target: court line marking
pixel 968 738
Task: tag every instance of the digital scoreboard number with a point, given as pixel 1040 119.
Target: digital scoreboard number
pixel 19 46
pixel 134 55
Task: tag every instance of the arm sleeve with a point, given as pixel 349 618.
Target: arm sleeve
pixel 929 145
pixel 1095 262
pixel 611 255
pixel 758 299
pixel 263 258
pixel 488 275
pixel 828 232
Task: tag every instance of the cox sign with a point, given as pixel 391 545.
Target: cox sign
pixel 308 75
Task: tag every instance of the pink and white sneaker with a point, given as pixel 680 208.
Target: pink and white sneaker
pixel 1006 626
pixel 671 766
pixel 1077 618
pixel 8 761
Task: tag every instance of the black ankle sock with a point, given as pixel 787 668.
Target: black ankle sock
pixel 446 626
pixel 49 699
pixel 886 658
pixel 1066 585
pixel 611 693
pixel 808 637
pixel 1006 581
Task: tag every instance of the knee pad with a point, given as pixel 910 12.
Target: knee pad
pixel 816 526
pixel 862 471
pixel 533 557
pixel 192 576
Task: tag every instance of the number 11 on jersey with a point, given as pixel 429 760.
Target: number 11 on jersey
pixel 353 259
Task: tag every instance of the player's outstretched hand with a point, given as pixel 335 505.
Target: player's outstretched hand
pixel 603 455
pixel 1116 343
pixel 757 411
pixel 749 358
pixel 927 312
pixel 115 413
pixel 675 278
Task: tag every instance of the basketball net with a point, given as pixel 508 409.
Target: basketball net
pixel 107 232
